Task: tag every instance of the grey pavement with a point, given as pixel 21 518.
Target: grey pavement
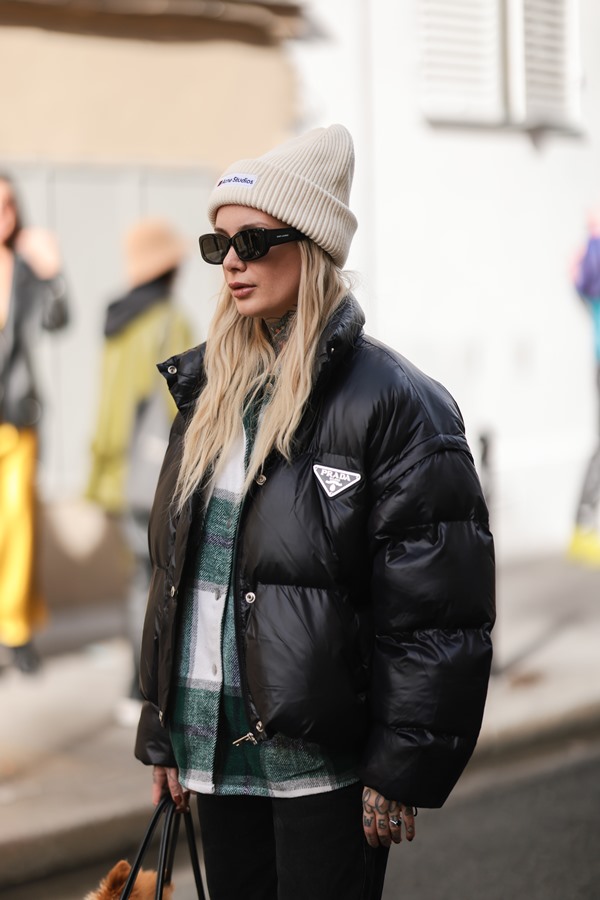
pixel 71 792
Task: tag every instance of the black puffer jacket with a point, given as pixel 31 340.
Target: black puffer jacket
pixel 364 574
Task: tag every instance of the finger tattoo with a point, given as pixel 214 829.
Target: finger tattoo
pixel 366 797
pixel 381 804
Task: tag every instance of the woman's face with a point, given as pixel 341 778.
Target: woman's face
pixel 8 213
pixel 265 287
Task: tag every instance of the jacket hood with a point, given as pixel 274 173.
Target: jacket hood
pixel 185 373
pixel 135 302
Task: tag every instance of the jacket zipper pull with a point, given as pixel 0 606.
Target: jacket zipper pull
pixel 245 737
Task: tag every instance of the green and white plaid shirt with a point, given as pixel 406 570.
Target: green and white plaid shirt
pixel 209 712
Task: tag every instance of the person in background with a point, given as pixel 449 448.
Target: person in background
pixel 32 299
pixel 135 410
pixel 316 649
pixel 584 545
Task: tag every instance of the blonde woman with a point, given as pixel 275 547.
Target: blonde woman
pixel 317 643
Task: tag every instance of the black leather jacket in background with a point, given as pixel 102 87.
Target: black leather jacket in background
pixel 34 304
pixel 364 616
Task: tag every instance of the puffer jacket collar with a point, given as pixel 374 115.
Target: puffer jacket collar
pixel 185 373
pixel 185 377
pixel 339 335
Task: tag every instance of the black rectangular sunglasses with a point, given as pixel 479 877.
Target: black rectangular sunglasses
pixel 252 243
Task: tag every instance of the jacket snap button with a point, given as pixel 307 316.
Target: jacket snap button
pixel 172 370
pixel 173 591
pixel 250 597
pixel 260 479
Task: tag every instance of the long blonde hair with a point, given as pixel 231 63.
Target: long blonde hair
pixel 240 361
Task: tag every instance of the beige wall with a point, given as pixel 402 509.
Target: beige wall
pixel 114 127
pixel 77 98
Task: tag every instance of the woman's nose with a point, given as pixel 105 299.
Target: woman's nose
pixel 232 260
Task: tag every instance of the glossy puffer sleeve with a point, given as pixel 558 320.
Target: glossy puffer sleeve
pixel 167 539
pixel 153 744
pixel 432 590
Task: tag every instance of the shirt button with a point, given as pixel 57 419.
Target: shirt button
pixel 214 669
pixel 250 597
pixel 260 479
pixel 172 370
pixel 173 591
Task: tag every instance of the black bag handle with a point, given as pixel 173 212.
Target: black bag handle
pixel 168 845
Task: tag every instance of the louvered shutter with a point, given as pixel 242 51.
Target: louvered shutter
pixel 544 70
pixel 462 60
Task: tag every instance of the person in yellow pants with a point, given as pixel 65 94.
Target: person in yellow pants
pixel 32 297
pixel 21 605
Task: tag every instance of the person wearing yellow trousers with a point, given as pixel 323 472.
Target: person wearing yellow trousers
pixel 32 297
pixel 20 602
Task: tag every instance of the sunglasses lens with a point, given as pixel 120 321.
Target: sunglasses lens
pixel 250 244
pixel 213 248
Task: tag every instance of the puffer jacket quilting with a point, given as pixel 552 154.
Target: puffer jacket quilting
pixel 370 607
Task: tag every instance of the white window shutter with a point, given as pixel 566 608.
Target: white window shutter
pixel 461 47
pixel 544 70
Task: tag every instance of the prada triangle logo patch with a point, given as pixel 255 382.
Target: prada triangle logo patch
pixel 334 481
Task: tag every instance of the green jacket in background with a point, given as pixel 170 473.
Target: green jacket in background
pixel 138 336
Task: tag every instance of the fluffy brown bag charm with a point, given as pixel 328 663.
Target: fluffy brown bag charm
pixel 131 882
pixel 111 886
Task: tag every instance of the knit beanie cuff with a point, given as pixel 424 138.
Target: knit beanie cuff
pixel 305 183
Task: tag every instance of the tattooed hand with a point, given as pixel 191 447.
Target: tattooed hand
pixel 382 819
pixel 166 780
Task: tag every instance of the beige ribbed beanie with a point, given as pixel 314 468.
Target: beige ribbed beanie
pixel 305 183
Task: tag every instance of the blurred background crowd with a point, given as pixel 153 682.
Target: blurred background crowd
pixel 477 129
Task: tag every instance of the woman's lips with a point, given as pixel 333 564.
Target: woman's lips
pixel 240 290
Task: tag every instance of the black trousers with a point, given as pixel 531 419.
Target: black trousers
pixel 299 848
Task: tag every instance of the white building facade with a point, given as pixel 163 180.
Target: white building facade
pixel 477 133
pixel 477 130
